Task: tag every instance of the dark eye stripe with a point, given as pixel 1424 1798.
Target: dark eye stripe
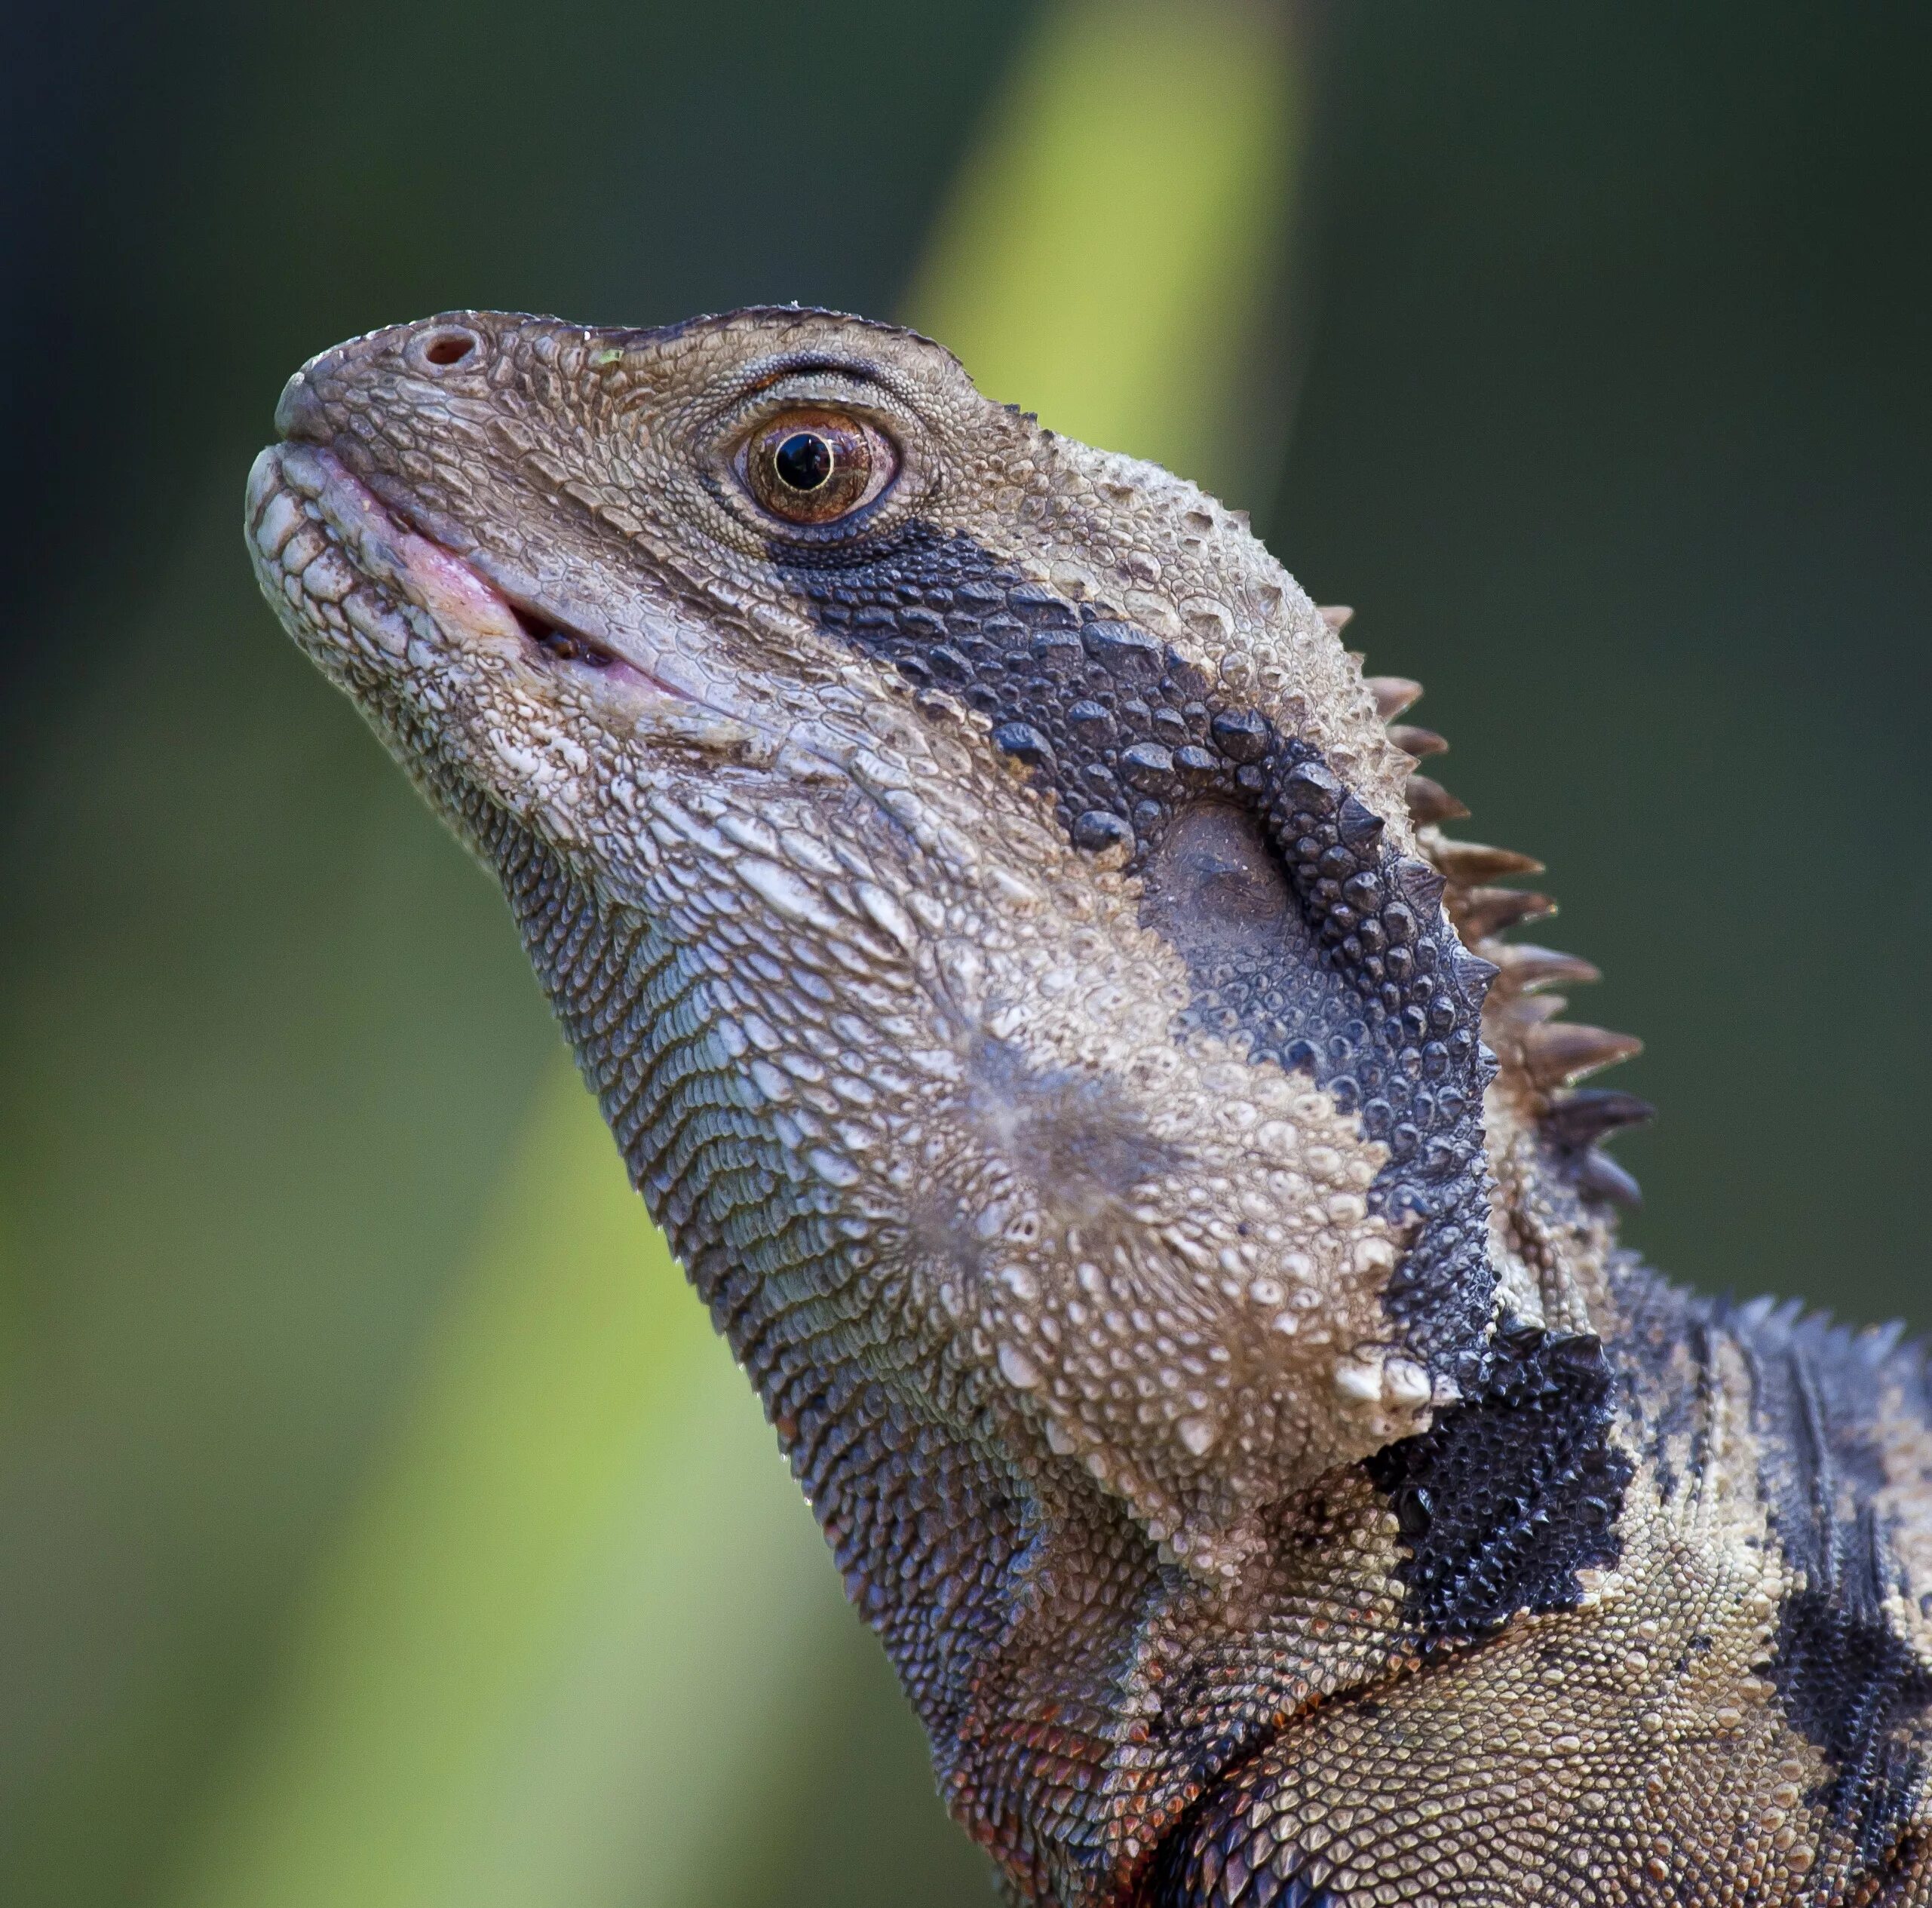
pixel 1372 993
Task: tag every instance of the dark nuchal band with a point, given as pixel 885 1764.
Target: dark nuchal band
pixel 1849 1683
pixel 1361 982
pixel 1846 1678
pixel 1508 1495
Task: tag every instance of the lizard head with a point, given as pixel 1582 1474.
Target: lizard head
pixel 973 874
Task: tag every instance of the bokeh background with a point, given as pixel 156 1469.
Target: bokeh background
pixel 378 1523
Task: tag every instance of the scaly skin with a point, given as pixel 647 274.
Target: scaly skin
pixel 1030 987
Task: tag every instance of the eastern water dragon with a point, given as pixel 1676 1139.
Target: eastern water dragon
pixel 1031 985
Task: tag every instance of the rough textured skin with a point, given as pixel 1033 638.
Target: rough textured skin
pixel 1029 984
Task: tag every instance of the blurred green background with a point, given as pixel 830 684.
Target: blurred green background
pixel 379 1522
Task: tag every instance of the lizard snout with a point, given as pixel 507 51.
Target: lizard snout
pixel 299 411
pixel 313 402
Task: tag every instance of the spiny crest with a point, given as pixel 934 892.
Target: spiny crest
pixel 1540 1058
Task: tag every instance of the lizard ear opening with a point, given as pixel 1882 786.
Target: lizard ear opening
pixel 1217 891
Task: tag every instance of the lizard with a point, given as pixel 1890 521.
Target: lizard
pixel 1029 980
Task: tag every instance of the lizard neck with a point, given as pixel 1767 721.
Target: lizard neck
pixel 1082 1690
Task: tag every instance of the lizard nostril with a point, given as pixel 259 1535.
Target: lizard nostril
pixel 448 345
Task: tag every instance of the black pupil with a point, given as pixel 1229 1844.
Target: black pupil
pixel 803 461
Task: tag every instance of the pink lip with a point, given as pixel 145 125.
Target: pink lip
pixel 453 590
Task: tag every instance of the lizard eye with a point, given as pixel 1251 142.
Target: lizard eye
pixel 815 467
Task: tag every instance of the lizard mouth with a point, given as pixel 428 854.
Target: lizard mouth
pixel 353 575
